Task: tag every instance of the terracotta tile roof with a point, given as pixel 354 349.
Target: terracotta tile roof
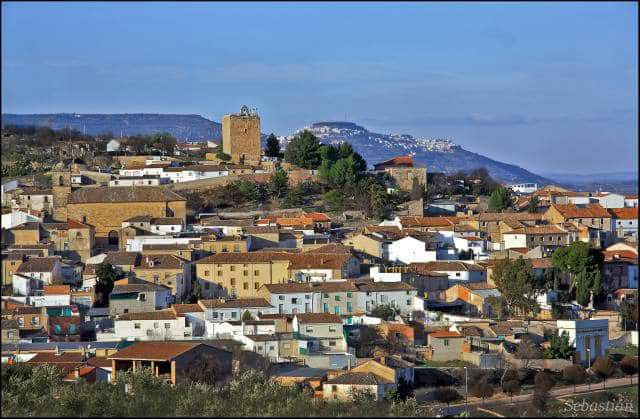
pixel 631 197
pixel 234 303
pixel 414 221
pixel 318 217
pixel 149 315
pixel 161 261
pixel 77 225
pixel 477 286
pixel 471 331
pixel 139 219
pixel 57 290
pixel 52 358
pixel 620 256
pixel 444 334
pixel 447 266
pixel 244 257
pixel 502 216
pixel 371 286
pixel 123 194
pixel 186 308
pixel 32 225
pixel 398 161
pixel 536 230
pixel 99 361
pixel 82 372
pixel 9 324
pixel 315 318
pixel 38 265
pixel 332 248
pixel 587 211
pixel 156 351
pixel 261 230
pixel 541 263
pixel 27 310
pixel 382 229
pixel 167 221
pixel 624 213
pixel 122 258
pixel 141 287
pixel 30 190
pixel 315 260
pixel 359 378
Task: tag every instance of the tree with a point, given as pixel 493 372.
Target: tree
pixel 482 389
pixel 221 155
pixel 279 183
pixel 196 291
pixel 544 381
pixel 540 400
pixel 514 280
pixel 604 368
pixel 582 264
pixel 384 311
pixel 629 312
pixel 303 151
pixel 527 351
pixel 532 206
pixel 106 276
pixel 574 374
pixel 334 200
pixel 273 147
pixel 511 388
pixel 247 316
pixel 293 199
pixel 497 306
pixel 629 366
pixel 446 395
pixel 559 347
pixel 500 199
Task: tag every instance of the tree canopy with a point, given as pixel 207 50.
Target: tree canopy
pixel 304 151
pixel 514 279
pixel 500 199
pixel 273 147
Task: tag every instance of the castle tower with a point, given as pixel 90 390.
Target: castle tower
pixel 61 189
pixel 241 136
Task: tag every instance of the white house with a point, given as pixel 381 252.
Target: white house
pixel 17 217
pixel 477 245
pixel 266 345
pixel 153 325
pixel 292 298
pixel 7 187
pixel 399 294
pixel 221 309
pixel 166 225
pixel 113 146
pixel 136 244
pixel 589 337
pixel 457 271
pixel 232 329
pixel 321 332
pixel 631 201
pixel 410 249
pixel 137 181
pixel 524 188
pixel 46 270
pixel 610 200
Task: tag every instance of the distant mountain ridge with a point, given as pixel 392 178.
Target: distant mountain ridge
pixel 183 127
pixel 439 155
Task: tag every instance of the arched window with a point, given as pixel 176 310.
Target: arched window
pixel 72 329
pixel 57 329
pixel 61 181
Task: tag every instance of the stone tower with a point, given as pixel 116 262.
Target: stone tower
pixel 61 188
pixel 241 136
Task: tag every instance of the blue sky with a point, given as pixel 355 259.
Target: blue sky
pixel 551 87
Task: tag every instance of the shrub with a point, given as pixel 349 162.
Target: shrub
pixel 629 366
pixel 574 374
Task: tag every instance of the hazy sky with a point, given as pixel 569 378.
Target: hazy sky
pixel 551 87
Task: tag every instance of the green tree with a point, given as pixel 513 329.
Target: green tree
pixel 559 347
pixel 247 316
pixel 106 276
pixel 273 146
pixel 294 198
pixel 582 264
pixel 303 151
pixel 384 311
pixel 247 189
pixel 604 368
pixel 334 200
pixel 279 183
pixel 221 155
pixel 514 279
pixel 532 206
pixel 500 199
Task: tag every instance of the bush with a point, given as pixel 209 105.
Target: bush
pixel 482 389
pixel 446 395
pixel 574 374
pixel 604 368
pixel 511 387
pixel 629 366
pixel 544 381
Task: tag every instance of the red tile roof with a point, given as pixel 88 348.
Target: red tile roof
pixel 587 211
pixel 57 290
pixel 624 213
pixel 444 334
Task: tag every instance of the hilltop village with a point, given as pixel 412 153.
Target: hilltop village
pixel 196 261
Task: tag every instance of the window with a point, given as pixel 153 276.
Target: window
pixel 35 320
pixel 232 281
pixel 348 295
pixel 332 343
pixel 233 268
pixel 245 273
pixel 206 273
pixel 245 285
pixel 71 329
pixel 219 273
pixel 349 307
pixel 332 328
pixel 337 298
pixel 281 297
pixel 334 388
pixel 325 307
pixel 57 329
pixel 136 325
pixel 309 329
pixel 167 325
pixel 446 342
pixel 20 321
pixel 307 297
pixel 236 248
pixel 408 302
pixel 256 273
pixel 258 348
pixel 234 315
pixel 325 295
pixel 271 347
pixel 143 297
pixel 156 278
pixel 457 273
pixel 126 310
pixel 336 310
pixel 172 228
pixel 156 325
pixel 256 285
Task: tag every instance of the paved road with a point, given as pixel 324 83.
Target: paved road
pixel 501 398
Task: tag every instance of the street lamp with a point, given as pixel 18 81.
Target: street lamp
pixel 466 391
pixel 589 359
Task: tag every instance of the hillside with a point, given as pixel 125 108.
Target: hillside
pixel 439 155
pixel 183 127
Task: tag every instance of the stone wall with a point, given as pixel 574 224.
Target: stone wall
pixel 241 138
